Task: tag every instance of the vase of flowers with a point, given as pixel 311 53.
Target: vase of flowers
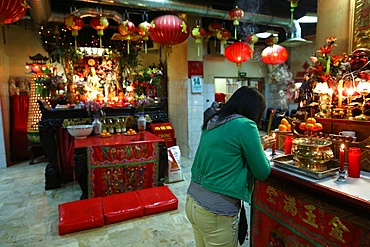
pixel 95 108
pixel 141 102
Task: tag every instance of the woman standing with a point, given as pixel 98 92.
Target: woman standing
pixel 229 156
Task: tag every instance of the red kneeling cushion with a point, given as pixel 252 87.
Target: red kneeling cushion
pixel 80 215
pixel 157 199
pixel 121 207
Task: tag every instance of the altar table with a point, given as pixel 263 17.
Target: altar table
pixel 116 164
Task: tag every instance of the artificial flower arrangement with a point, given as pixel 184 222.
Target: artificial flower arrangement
pixel 149 78
pixel 140 102
pixel 94 107
pixel 327 68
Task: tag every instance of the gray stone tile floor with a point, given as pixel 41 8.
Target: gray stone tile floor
pixel 29 214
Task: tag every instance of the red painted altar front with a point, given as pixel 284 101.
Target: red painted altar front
pixel 120 163
pixel 291 210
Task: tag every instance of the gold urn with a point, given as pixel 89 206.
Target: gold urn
pixel 312 153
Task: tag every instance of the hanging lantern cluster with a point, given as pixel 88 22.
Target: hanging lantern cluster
pixel 99 23
pixel 74 23
pixel 235 15
pixel 238 52
pixel 169 30
pixel 126 28
pixel 214 27
pixel 274 54
pixel 145 29
pixel 198 33
pixel 12 10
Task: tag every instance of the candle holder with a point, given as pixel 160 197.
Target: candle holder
pixel 342 176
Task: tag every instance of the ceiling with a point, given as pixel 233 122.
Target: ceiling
pixel 259 16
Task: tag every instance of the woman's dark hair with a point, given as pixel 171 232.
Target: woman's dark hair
pixel 246 101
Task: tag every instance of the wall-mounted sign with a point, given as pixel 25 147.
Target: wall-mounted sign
pixel 195 68
pixel 196 84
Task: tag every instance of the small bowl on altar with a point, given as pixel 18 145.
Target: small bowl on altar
pixel 80 131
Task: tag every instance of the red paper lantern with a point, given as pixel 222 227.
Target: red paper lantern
pixel 75 24
pixel 126 28
pixel 169 30
pixel 235 15
pixel 12 10
pixel 99 23
pixel 144 30
pixel 275 54
pixel 238 52
pixel 223 35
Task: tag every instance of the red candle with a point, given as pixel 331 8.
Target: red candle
pixel 288 144
pixel 273 145
pixel 354 162
pixel 341 157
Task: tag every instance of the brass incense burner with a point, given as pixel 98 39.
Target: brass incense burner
pixel 312 153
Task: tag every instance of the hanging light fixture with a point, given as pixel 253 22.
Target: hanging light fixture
pixel 238 52
pixel 198 33
pixel 274 54
pixel 126 28
pixel 99 23
pixel 169 30
pixel 12 10
pixel 235 15
pixel 74 23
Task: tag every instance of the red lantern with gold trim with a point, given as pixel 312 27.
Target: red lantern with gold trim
pixel 169 30
pixel 99 23
pixel 235 15
pixel 198 33
pixel 144 30
pixel 224 35
pixel 238 52
pixel 275 54
pixel 126 28
pixel 74 23
pixel 251 40
pixel 12 10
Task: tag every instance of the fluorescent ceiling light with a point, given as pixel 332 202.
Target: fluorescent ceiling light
pixel 266 34
pixel 308 18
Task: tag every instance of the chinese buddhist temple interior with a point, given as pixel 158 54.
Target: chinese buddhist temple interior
pixel 83 62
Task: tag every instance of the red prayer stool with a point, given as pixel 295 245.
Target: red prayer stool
pixel 80 215
pixel 120 207
pixel 157 199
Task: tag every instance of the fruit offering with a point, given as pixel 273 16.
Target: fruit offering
pixel 104 133
pixel 130 132
pixel 284 125
pixel 311 124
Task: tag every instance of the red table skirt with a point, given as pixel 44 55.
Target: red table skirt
pixel 121 168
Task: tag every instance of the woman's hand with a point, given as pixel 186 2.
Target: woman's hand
pixel 267 141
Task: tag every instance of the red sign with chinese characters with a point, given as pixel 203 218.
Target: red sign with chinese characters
pixel 280 219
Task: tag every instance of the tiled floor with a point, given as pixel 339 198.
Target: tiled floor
pixel 29 215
